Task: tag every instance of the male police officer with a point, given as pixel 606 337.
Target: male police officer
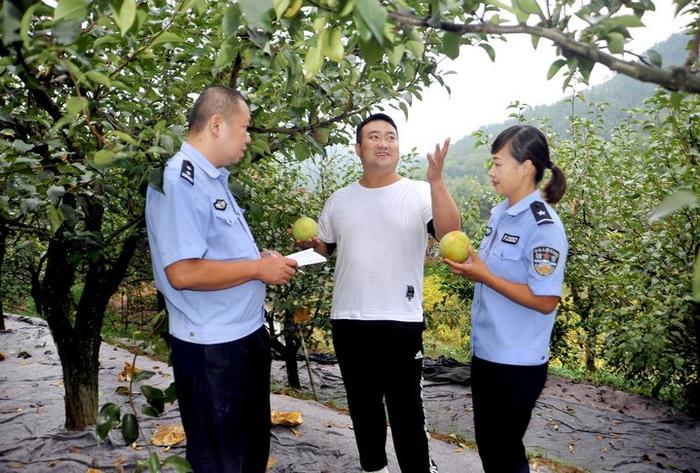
pixel 208 267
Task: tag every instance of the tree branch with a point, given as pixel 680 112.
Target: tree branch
pixel 305 129
pixel 235 70
pixel 674 78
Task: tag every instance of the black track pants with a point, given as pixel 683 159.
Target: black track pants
pixel 383 361
pixel 504 396
pixel 223 391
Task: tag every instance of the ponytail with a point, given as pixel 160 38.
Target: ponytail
pixel 556 186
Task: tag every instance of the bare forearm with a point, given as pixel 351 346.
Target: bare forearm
pixel 521 294
pixel 210 275
pixel 445 214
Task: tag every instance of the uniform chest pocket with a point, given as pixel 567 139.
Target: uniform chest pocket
pixel 509 263
pixel 228 237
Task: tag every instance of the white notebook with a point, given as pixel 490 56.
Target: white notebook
pixel 307 256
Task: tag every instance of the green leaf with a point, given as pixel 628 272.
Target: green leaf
pixel 416 48
pixel 152 393
pixel 107 418
pixel 696 280
pixel 143 375
pixel 140 466
pixel 150 411
pixel 180 464
pixel 257 13
pixel 231 20
pixel 628 21
pixel 528 6
pixel 373 15
pixel 67 32
pixel 616 43
pixel 155 179
pixel 125 15
pixel 347 8
pixel 227 53
pixel 26 23
pixel 450 44
pixel 333 45
pixel 11 19
pixel 130 428
pixel 102 40
pixel 489 50
pixel 124 137
pixel 21 147
pixel 585 67
pixel 280 7
pixel 153 463
pixel 103 157
pixel 313 62
pixel 396 54
pixel 535 40
pixel 98 78
pixel 170 393
pixel 55 194
pixel 70 10
pixel 554 68
pixel 676 99
pixel 655 58
pixel 371 51
pixel 167 37
pixel 76 105
pixel 673 203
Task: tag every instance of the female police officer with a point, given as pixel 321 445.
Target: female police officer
pixel 518 274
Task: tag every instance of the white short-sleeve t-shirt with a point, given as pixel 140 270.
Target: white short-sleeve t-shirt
pixel 381 238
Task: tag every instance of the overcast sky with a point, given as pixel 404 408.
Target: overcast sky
pixel 481 89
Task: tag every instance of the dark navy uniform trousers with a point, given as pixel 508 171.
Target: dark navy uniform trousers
pixel 223 391
pixel 504 396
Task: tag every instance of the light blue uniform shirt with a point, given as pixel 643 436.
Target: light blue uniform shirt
pixel 525 244
pixel 197 217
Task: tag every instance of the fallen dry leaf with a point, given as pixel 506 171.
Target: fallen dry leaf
pixel 168 435
pixel 287 419
pixel 270 463
pixel 92 470
pixel 128 372
pixel 302 314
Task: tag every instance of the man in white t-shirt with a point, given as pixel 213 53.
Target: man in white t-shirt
pixel 380 227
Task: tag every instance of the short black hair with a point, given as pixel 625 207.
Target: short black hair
pixel 214 99
pixel 374 117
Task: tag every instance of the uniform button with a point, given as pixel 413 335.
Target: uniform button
pixel 191 334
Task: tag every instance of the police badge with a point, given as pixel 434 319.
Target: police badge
pixel 545 260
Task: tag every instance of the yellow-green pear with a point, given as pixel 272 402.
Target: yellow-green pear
pixel 304 228
pixel 455 246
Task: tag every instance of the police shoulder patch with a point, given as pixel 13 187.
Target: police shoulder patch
pixel 187 171
pixel 539 210
pixel 220 204
pixel 545 260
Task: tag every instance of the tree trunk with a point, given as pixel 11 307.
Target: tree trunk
pixel 80 364
pixel 591 337
pixel 290 360
pixel 3 239
pixel 694 388
pixel 79 342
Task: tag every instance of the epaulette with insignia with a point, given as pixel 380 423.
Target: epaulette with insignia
pixel 187 171
pixel 540 212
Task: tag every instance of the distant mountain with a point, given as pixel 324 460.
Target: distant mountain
pixel 621 93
